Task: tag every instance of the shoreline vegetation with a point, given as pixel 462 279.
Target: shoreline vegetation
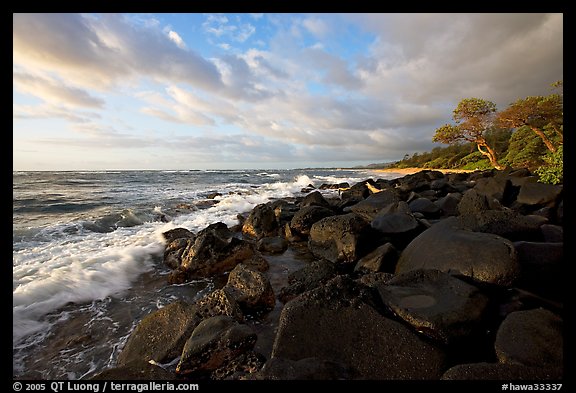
pixel 436 275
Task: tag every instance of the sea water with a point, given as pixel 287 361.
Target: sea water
pixel 87 253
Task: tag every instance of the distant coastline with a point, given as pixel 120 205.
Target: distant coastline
pixel 412 170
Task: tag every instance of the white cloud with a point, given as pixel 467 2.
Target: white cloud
pixel 175 37
pixel 54 91
pixel 316 26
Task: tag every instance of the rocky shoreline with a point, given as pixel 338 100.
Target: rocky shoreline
pixel 431 276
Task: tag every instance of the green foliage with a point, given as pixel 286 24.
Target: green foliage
pixel 525 149
pixel 552 172
pixel 525 135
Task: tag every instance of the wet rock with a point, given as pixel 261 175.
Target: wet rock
pixel 449 248
pixel 500 372
pixel 531 338
pixel 135 371
pixel 214 251
pixel 257 262
pixel 441 306
pixel 251 289
pixel 304 369
pixel 335 323
pixel 174 250
pixel 311 276
pixel 160 335
pixel 306 217
pixel 241 367
pixel 336 186
pixel 314 199
pixel 261 222
pixel 213 343
pixel 218 302
pixel 357 192
pixel 272 245
pixel 382 259
pixel 341 239
pixel 369 207
pixel 373 280
pixel 177 233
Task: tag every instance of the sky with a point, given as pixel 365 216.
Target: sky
pixel 262 91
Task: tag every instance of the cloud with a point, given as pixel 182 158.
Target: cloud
pixel 104 52
pixel 48 111
pixel 54 91
pixel 175 37
pixel 219 26
pixel 316 26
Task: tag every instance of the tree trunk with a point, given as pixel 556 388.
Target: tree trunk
pixel 490 154
pixel 545 139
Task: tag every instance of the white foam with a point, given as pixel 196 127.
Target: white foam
pixel 77 269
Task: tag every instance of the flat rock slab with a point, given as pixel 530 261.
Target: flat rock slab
pixel 531 338
pixel 435 303
pixel 447 247
pixel 334 324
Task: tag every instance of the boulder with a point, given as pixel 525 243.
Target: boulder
pixel 448 204
pixel 214 251
pixel 369 207
pixel 473 203
pixel 218 302
pixel 498 187
pixel 303 369
pixel 449 248
pixel 251 289
pixel 424 206
pixel 261 222
pixel 341 239
pixel 530 338
pixel 177 233
pixel 174 250
pixel 314 199
pixel 135 371
pixel 542 267
pixel 334 323
pixel 395 219
pixel 372 280
pixel 382 259
pixel 539 194
pixel 213 343
pixel 552 233
pixel 500 372
pixel 160 336
pixel 272 245
pixel 304 218
pixel 311 276
pixel 506 223
pixel 441 306
pixel 242 367
pixel 357 192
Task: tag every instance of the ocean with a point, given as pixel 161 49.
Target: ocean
pixel 87 253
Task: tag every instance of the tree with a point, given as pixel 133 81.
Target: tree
pixel 473 117
pixel 538 113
